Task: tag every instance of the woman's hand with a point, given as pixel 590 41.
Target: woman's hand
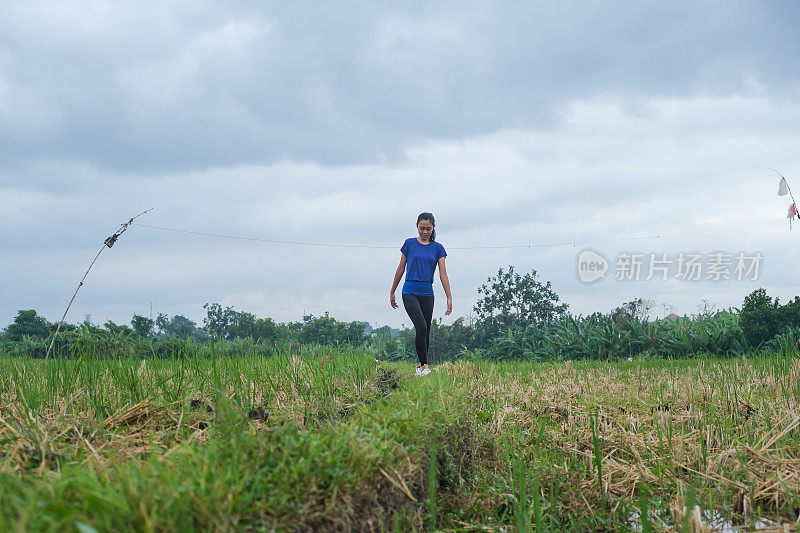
pixel 392 301
pixel 449 306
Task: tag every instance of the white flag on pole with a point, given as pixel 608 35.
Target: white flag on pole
pixel 783 188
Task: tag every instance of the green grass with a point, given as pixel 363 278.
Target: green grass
pixel 330 439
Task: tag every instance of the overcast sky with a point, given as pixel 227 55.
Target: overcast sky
pixel 600 125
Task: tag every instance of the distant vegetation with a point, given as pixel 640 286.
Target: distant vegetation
pixel 517 318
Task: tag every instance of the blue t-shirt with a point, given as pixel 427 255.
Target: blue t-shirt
pixel 421 261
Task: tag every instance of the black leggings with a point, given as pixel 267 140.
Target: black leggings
pixel 420 309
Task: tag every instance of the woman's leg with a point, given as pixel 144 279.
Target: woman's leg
pixel 414 310
pixel 426 304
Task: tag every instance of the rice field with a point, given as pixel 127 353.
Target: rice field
pixel 327 439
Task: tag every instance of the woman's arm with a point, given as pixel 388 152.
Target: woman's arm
pixel 397 275
pixel 446 285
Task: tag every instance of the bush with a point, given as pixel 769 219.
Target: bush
pixel 761 317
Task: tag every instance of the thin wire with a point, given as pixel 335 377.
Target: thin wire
pixel 512 246
pixel 660 236
pixel 259 239
pixel 338 245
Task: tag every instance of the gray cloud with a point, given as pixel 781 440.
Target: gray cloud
pixel 178 86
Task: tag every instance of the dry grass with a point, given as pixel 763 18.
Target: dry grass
pixel 729 427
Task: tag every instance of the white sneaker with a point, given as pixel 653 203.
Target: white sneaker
pixel 419 367
pixel 424 371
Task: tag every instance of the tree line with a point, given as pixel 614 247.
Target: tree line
pixel 516 317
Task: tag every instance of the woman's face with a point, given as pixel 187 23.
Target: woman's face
pixel 425 228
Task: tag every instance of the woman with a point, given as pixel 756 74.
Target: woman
pixel 421 254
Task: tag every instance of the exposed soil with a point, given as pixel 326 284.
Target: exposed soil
pixel 197 403
pixel 387 380
pixel 259 413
